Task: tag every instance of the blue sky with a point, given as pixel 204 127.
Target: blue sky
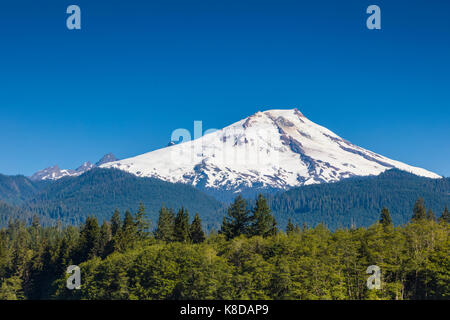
pixel 140 69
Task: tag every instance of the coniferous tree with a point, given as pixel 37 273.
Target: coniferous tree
pixel 430 215
pixel 196 231
pixel 116 222
pixel 385 217
pixel 128 225
pixel 181 228
pixel 141 222
pixel 419 210
pixel 166 225
pixel 105 238
pixel 35 231
pixel 262 222
pixel 290 228
pixel 89 239
pixel 304 227
pixel 445 217
pixel 238 219
pixel 125 238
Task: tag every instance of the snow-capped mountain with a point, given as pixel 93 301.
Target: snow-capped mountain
pixel 272 149
pixel 55 173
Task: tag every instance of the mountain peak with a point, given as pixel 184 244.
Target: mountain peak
pixel 105 159
pixel 277 148
pixel 55 173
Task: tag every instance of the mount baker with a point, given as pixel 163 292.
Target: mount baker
pixel 274 149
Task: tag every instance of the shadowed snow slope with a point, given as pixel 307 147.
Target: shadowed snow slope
pixel 272 149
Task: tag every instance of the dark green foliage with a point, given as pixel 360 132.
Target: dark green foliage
pixel 116 223
pixel 385 217
pixel 419 210
pixel 166 225
pixel 196 231
pixel 105 239
pixel 126 236
pixel 129 230
pixel 238 220
pixel 89 244
pixel 181 226
pixel 262 222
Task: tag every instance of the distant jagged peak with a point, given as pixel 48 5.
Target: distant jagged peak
pixel 106 159
pixel 55 173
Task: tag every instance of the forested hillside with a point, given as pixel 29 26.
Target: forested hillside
pixel 250 258
pixel 100 191
pixel 358 201
pixel 17 189
pixel 354 201
pixel 8 212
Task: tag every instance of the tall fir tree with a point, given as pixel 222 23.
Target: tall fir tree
pixel 89 242
pixel 105 239
pixel 445 216
pixel 116 222
pixel 262 222
pixel 430 215
pixel 238 220
pixel 290 228
pixel 166 225
pixel 419 210
pixel 385 217
pixel 181 228
pixel 125 238
pixel 142 222
pixel 196 231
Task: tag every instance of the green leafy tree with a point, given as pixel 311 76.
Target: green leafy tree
pixel 238 220
pixel 196 231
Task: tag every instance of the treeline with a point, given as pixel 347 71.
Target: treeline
pixel 248 258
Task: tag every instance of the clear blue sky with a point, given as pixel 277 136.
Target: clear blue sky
pixel 140 69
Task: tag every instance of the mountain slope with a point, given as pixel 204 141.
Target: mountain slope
pixel 17 189
pixel 100 191
pixel 359 200
pixel 275 149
